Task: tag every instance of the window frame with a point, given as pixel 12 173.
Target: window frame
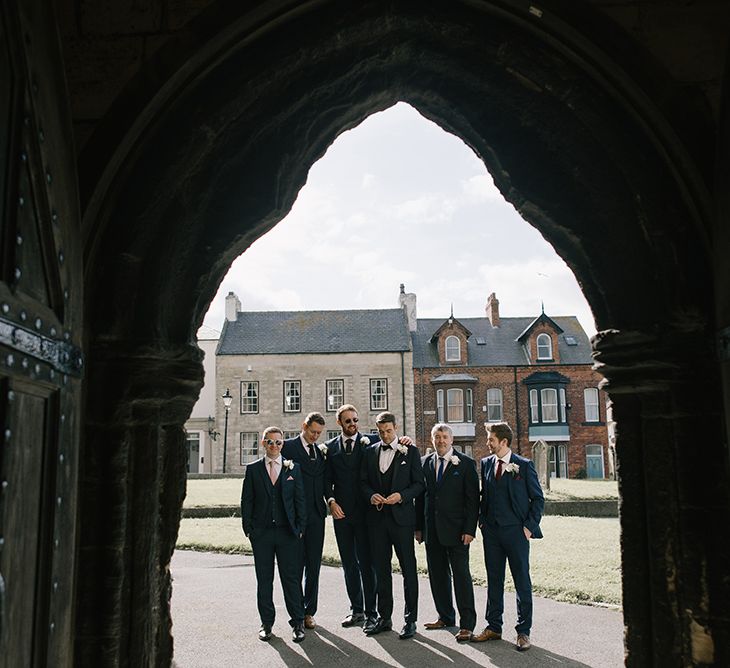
pixel 254 455
pixel 543 404
pixel 449 405
pixel 542 336
pixel 298 384
pixel 331 408
pixel 373 404
pixel 245 396
pixel 499 404
pixel 440 405
pixel 596 405
pixel 451 358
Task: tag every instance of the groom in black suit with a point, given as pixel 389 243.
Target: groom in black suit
pixel 273 515
pixel 446 518
pixel 348 506
pixel 305 451
pixel 391 477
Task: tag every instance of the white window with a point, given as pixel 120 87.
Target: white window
pixel 250 396
pixel 467 449
pixel 378 394
pixel 494 404
pixel 594 461
pixel 193 442
pixel 469 405
pixel 590 398
pixel 291 434
pixel 453 349
pixel 534 408
pixel 249 447
pixel 562 405
pixel 335 394
pixel 439 405
pixel 454 406
pixel 292 396
pixel 332 433
pixel 549 399
pixel 544 347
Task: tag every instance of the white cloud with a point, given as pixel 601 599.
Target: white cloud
pixel 480 188
pixel 368 181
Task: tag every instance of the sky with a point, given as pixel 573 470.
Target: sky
pixel 399 200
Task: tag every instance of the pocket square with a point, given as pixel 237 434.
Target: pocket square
pixel 402 463
pixel 290 478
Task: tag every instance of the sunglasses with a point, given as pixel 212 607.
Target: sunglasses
pixel 269 441
pixel 351 420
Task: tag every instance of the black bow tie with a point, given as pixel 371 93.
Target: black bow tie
pixel 386 447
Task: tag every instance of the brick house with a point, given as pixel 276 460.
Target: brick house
pixel 533 372
pixel 280 365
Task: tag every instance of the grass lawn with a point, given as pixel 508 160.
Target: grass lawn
pixel 578 561
pixel 227 491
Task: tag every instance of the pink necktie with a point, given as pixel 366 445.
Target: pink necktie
pixel 498 475
pixel 272 471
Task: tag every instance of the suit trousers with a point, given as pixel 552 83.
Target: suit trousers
pixel 354 546
pixel 281 543
pixel 445 563
pixel 311 562
pixel 503 544
pixel 385 536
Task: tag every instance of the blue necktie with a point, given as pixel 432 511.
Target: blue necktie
pixel 440 472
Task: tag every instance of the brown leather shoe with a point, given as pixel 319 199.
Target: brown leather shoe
pixel 438 624
pixel 523 642
pixel 464 635
pixel 309 622
pixel 487 634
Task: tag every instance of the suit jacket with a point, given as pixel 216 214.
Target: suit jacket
pixel 450 509
pixel 257 497
pixel 343 475
pixel 407 479
pixel 314 475
pixel 524 489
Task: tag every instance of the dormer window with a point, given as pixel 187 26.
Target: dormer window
pixel 453 349
pixel 544 347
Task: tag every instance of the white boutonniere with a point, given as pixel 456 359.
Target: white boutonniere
pixel 364 440
pixel 323 449
pixel 403 449
pixel 512 468
pixel 455 460
pixel 288 464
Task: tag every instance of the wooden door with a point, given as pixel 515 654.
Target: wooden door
pixel 40 335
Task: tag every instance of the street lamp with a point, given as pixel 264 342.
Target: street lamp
pixel 227 399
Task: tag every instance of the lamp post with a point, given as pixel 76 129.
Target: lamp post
pixel 227 399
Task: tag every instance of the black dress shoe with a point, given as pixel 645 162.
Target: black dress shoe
pixel 408 631
pixel 298 633
pixel 379 626
pixel 264 632
pixel 353 619
pixel 370 622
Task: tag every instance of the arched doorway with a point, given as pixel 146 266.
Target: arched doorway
pixel 216 158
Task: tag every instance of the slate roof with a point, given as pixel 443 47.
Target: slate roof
pixel 290 332
pixel 501 347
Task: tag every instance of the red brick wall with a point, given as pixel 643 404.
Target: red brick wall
pixel 516 407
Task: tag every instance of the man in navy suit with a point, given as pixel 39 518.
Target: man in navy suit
pixel 304 451
pixel 510 512
pixel 273 515
pixel 446 518
pixel 391 477
pixel 347 505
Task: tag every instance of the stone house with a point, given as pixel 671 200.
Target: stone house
pixel 280 365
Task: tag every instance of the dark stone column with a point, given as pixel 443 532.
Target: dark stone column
pixel 132 487
pixel 666 391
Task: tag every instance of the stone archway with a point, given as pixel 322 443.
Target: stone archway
pixel 216 158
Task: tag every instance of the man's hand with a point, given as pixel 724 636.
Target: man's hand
pixel 377 500
pixel 336 511
pixel 405 440
pixel 418 535
pixel 394 498
pixel 466 538
pixel 528 533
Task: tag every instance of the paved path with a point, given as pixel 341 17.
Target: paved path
pixel 215 623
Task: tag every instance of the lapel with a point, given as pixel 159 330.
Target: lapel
pixel 264 474
pixel 449 470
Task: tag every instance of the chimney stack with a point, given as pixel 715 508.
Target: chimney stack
pixel 233 306
pixel 407 302
pixel 493 310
